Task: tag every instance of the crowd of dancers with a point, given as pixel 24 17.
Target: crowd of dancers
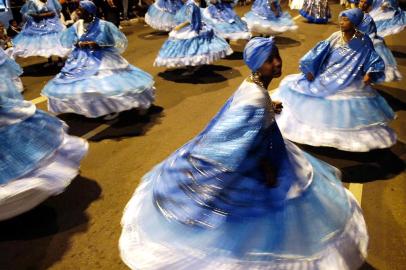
pixel 241 194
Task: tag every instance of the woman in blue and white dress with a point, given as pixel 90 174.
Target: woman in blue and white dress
pixel 10 73
pixel 226 23
pixel 316 11
pixel 41 33
pixel 38 159
pixel 96 80
pixel 389 18
pixel 266 17
pixel 331 103
pixel 368 27
pixel 161 15
pixel 192 43
pixel 238 196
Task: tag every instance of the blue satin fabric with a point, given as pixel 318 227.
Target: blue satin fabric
pixel 399 20
pixel 222 12
pixel 25 144
pixel 367 26
pixel 8 67
pixel 344 114
pixel 9 70
pixel 335 68
pixel 85 62
pixel 263 9
pixel 191 13
pixel 210 195
pixel 8 89
pixel 171 6
pixel 217 175
pixel 225 21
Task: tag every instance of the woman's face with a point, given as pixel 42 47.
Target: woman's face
pixel 272 68
pixel 346 24
pixel 363 5
pixel 83 14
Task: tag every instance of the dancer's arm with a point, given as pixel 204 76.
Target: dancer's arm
pixel 181 26
pixel 312 60
pixel 374 67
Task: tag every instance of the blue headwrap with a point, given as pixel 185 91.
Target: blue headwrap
pixel 89 6
pixel 369 2
pixel 355 15
pixel 257 51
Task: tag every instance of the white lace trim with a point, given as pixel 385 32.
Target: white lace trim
pixel 356 140
pixel 196 60
pixel 158 25
pixel 269 29
pixel 347 251
pixel 96 105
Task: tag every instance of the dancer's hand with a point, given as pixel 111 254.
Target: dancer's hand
pixel 385 6
pixel 367 79
pixel 309 76
pixel 88 44
pixel 180 26
pixel 277 106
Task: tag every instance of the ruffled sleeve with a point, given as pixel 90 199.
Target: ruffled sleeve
pixel 312 60
pixel 115 37
pixel 375 66
pixel 27 9
pixel 69 37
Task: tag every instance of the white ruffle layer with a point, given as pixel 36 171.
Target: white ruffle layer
pixel 344 252
pixel 353 140
pixel 391 30
pixel 50 178
pixel 268 29
pixel 392 74
pixel 156 24
pixel 380 15
pixel 235 36
pixel 19 84
pixel 196 60
pixel 95 105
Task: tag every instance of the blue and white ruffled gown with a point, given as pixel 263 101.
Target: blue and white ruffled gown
pixel 261 19
pixel 368 27
pixel 316 11
pixel 38 159
pixel 194 45
pixel 40 38
pixel 10 71
pixel 161 14
pixel 389 21
pixel 337 109
pixel 207 206
pixel 225 22
pixel 97 82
